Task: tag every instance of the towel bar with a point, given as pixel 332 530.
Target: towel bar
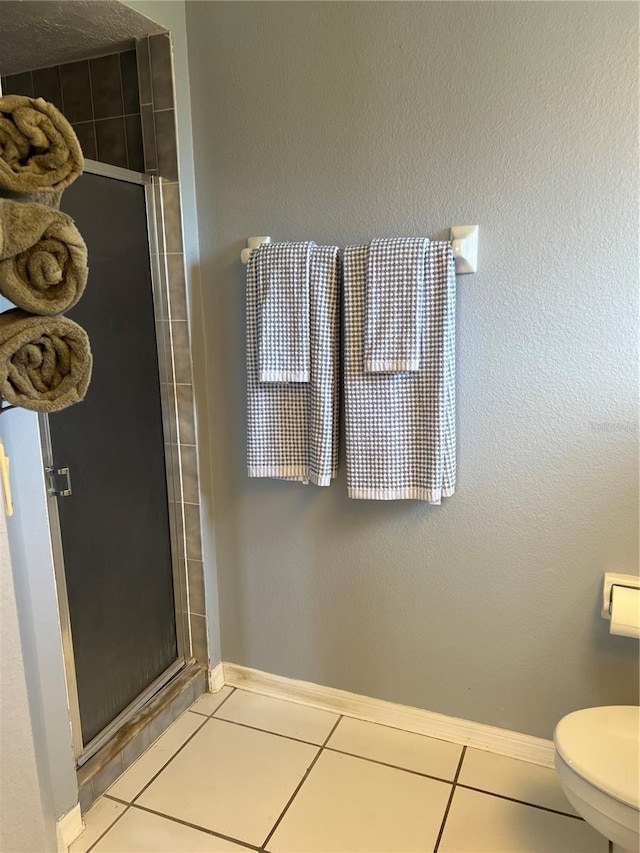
pixel 464 242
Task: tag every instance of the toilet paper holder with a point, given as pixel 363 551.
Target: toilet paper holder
pixel 611 580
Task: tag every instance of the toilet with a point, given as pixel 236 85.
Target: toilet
pixel 597 758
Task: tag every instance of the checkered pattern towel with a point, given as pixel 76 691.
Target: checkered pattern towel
pixel 282 270
pixel 394 304
pixel 292 428
pixel 401 426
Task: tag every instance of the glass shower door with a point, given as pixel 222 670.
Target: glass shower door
pixel 114 526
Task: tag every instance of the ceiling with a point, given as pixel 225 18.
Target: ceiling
pixel 39 33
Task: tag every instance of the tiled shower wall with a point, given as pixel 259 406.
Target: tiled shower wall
pixel 122 108
pixel 100 99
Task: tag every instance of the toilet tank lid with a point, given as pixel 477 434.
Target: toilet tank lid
pixel 603 746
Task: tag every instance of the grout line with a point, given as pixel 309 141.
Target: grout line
pixel 115 799
pixel 392 766
pixel 300 784
pixel 448 806
pixel 195 826
pixel 521 802
pixel 124 123
pixel 155 776
pixel 120 816
pixel 108 118
pixel 209 716
pixel 171 818
pixel 60 87
pixel 386 763
pixel 264 731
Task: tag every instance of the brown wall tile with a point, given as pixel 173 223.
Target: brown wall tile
pixel 144 70
pixel 86 133
pixel 172 220
pixel 46 84
pixel 199 639
pixel 76 91
pixel 135 151
pixel 181 351
pixel 196 587
pixel 161 72
pixel 18 84
pixel 190 485
pixel 149 139
pixel 186 415
pixel 166 144
pixel 192 530
pixel 106 86
pixel 130 88
pixel 112 141
pixel 177 287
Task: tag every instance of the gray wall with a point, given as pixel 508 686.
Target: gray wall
pixel 37 610
pixel 345 121
pixel 21 821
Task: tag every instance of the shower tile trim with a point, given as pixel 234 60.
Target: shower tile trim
pixel 150 722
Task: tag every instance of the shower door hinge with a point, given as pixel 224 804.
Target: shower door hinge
pixel 59 482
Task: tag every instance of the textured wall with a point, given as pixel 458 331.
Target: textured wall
pixel 21 822
pixel 344 121
pixel 37 610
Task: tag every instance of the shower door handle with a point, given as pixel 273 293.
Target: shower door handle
pixel 59 482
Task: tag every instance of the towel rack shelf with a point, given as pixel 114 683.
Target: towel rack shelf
pixel 464 242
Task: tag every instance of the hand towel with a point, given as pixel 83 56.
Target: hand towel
pixel 292 427
pixel 45 362
pixel 282 270
pixel 400 427
pixel 39 150
pixel 43 258
pixel 394 304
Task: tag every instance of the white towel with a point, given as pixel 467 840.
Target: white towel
pixel 401 427
pixel 292 428
pixel 394 304
pixel 282 270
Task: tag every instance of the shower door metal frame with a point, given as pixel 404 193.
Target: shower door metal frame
pixel 83 752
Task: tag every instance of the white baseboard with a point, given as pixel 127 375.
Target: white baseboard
pixel 216 678
pixel 535 750
pixel 68 828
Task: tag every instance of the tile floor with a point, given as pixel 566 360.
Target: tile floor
pixel 242 771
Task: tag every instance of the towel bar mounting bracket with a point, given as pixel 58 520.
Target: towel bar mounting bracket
pixel 464 242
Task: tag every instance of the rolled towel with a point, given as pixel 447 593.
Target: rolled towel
pixel 43 258
pixel 39 150
pixel 45 362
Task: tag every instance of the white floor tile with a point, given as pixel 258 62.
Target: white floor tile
pixel 133 780
pixel 279 716
pixel 349 804
pixel 394 746
pixel 141 832
pixel 480 823
pixel 513 778
pixel 231 779
pixel 209 702
pixel 99 818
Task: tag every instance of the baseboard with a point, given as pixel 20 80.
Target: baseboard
pixel 535 750
pixel 68 828
pixel 216 678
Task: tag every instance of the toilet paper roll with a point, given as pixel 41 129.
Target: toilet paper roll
pixel 625 612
